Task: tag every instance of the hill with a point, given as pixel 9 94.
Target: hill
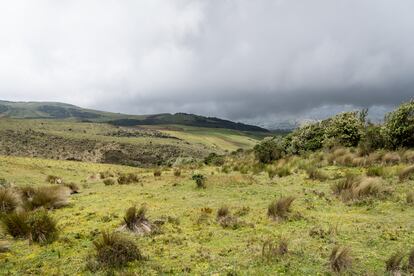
pixel 62 111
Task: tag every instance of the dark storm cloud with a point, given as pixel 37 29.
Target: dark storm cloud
pixel 239 59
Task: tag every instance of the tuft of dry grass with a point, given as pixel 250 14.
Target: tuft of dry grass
pixel 42 228
pixel 52 179
pixel 340 259
pixel 272 250
pixel 406 173
pixel 410 198
pixel 8 201
pixel 200 180
pixel 408 156
pixel 393 263
pixel 49 197
pixel 391 158
pixel 223 212
pixel 15 224
pixel 358 188
pixel 73 187
pixel 280 209
pixel 114 250
pixel 316 174
pixel 128 179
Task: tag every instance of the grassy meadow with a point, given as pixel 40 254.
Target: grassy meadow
pixel 191 239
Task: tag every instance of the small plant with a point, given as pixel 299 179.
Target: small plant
pixel 393 263
pixel 42 228
pixel 8 201
pixel 73 187
pixel 340 259
pixel 280 209
pixel 114 250
pixel 375 171
pixel 200 181
pixel 15 224
pixel 109 182
pixel 49 197
pixel 177 172
pixel 283 171
pixel 272 250
pixel 316 174
pixel 410 198
pixel 223 212
pixel 406 173
pixel 157 173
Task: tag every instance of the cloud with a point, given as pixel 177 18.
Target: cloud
pixel 238 59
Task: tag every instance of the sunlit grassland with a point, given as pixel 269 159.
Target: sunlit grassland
pixel 373 231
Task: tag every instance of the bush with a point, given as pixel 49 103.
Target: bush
pixel 109 182
pixel 200 181
pixel 128 179
pixel 345 128
pixel 15 224
pixel 340 259
pixel 372 139
pixel 42 228
pixel 269 150
pixel 280 209
pixel 399 126
pixel 8 201
pixel 214 159
pixel 307 138
pixel 114 250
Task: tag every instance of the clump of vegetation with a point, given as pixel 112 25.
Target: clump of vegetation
pixel 345 129
pixel 53 179
pixel 157 173
pixel 373 138
pixel 280 209
pixel 109 181
pixel 15 224
pixel 42 228
pixel 376 171
pixel 269 150
pixel 399 126
pixel 135 220
pixel 8 201
pixel 271 250
pixel 73 187
pixel 4 183
pixel 410 198
pixel 49 197
pixel 177 172
pixel 226 219
pixel 214 159
pixel 106 174
pixel 200 180
pixel 406 173
pixel 393 263
pixel 114 250
pixel 391 158
pixel 340 259
pixel 358 188
pixel 128 178
pixel 316 174
pixel 411 260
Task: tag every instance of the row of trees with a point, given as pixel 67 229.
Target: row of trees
pixel 348 129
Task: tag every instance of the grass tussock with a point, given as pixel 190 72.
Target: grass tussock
pixel 316 174
pixel 177 172
pixel 157 173
pixel 200 181
pixel 8 201
pixel 391 158
pixel 226 219
pixel 15 224
pixel 411 260
pixel 272 250
pixel 340 259
pixel 408 156
pixel 109 181
pixel 280 209
pixel 49 197
pixel 406 173
pixel 73 187
pixel 375 171
pixel 53 179
pixel 410 198
pixel 114 250
pixel 128 179
pixel 393 263
pixel 135 220
pixel 353 188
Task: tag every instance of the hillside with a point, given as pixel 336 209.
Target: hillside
pixel 62 111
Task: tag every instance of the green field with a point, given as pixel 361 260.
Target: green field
pixel 193 242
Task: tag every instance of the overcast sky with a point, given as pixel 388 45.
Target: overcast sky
pixel 239 59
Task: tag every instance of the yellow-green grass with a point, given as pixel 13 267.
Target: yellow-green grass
pixel 372 231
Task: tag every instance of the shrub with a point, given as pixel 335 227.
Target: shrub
pixel 109 182
pixel 340 259
pixel 372 138
pixel 200 181
pixel 307 138
pixel 279 209
pixel 271 250
pixel 114 250
pixel 157 173
pixel 399 126
pixel 393 263
pixel 8 201
pixel 214 159
pixel 42 228
pixel 177 172
pixel 49 197
pixel 128 179
pixel 15 224
pixel 406 173
pixel 269 150
pixel 345 128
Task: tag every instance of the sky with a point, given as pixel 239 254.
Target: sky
pixel 260 61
